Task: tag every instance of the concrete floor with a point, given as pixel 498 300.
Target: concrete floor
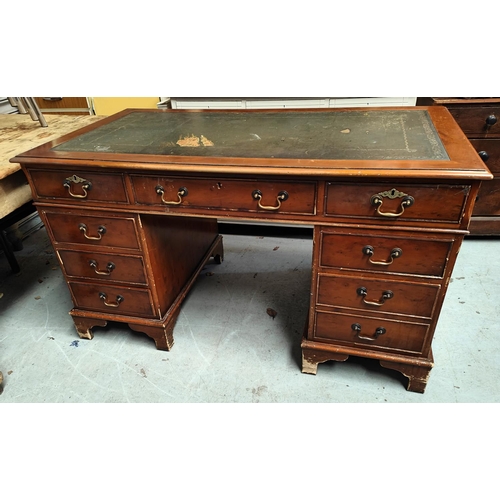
pixel 227 348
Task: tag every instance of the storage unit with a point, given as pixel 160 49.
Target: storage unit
pixel 131 206
pixel 284 102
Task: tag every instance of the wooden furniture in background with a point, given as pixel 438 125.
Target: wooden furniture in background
pixel 64 105
pixel 479 119
pixel 284 102
pixel 131 206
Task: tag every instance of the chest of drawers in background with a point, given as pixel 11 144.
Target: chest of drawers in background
pixel 479 120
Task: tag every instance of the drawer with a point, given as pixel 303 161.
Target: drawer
pixel 402 202
pixel 93 230
pixel 112 299
pixel 409 254
pixel 81 187
pixel 107 267
pixel 488 198
pixel 238 195
pixel 369 332
pixel 377 295
pixel 490 147
pixel 473 119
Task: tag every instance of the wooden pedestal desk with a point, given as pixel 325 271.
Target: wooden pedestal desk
pixel 131 206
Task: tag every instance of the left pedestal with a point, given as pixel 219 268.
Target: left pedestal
pixel 131 268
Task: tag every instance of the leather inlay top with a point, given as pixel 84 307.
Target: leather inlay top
pixel 377 135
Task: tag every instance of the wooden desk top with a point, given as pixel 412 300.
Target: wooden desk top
pixel 19 132
pixel 416 142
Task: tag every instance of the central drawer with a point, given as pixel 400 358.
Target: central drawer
pixel 389 202
pixel 276 196
pixel 374 333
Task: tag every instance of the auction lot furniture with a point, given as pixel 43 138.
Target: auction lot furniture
pixel 131 206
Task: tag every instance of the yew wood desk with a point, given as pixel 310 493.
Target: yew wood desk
pixel 131 206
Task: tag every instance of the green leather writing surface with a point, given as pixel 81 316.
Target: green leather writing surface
pixel 364 134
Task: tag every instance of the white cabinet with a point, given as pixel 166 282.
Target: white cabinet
pixel 286 102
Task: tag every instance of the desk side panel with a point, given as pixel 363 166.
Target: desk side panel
pixel 175 246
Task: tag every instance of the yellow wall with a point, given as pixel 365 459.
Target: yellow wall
pixel 109 105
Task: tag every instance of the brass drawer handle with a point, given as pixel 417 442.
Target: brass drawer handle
pixel 406 202
pixel 109 268
pixel 282 196
pixel 180 194
pixel 386 295
pixel 104 297
pixel 74 179
pixel 378 331
pixel 100 230
pixel 395 253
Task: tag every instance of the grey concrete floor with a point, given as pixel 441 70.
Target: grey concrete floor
pixel 227 348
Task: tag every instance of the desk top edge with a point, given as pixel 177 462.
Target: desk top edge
pixel 463 160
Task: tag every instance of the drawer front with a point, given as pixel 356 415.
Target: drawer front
pixel 488 199
pixel 81 187
pixel 375 333
pixel 249 195
pixel 93 230
pixel 106 267
pixel 473 119
pixel 112 299
pixel 402 202
pixel 405 255
pixel 377 295
pixel 490 147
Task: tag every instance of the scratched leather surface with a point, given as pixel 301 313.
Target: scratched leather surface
pixel 369 135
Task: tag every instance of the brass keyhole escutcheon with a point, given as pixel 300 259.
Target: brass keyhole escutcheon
pixel 378 199
pixel 74 179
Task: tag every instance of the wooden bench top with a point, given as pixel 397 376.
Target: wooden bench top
pixel 18 133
